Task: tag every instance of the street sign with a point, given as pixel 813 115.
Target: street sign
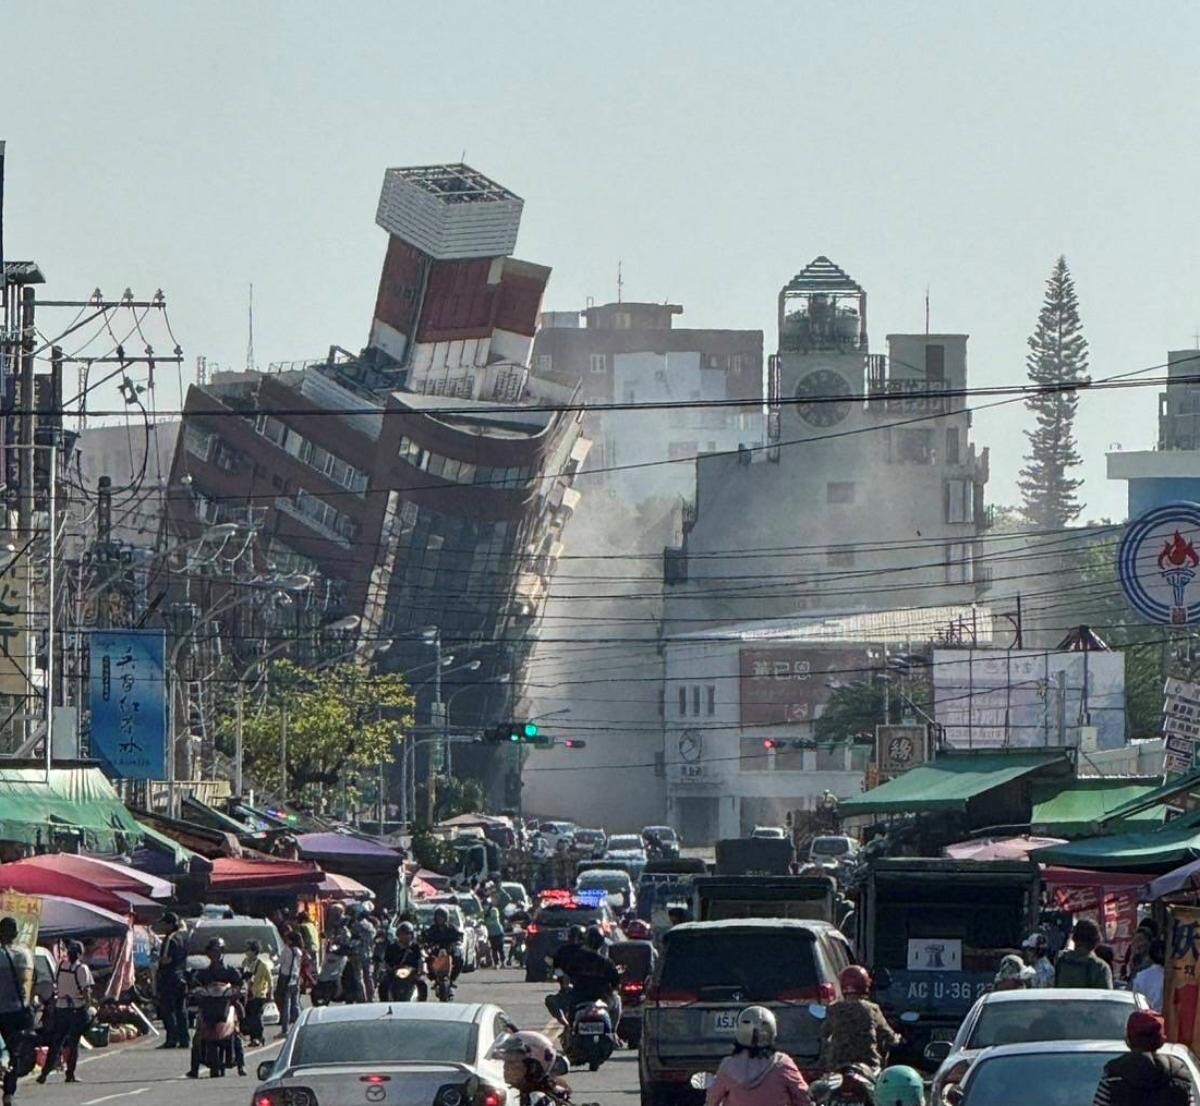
pixel 1157 563
pixel 1177 762
pixel 1183 690
pixel 129 703
pixel 1184 746
pixel 1181 726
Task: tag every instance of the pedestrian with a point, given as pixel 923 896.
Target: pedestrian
pixel 1080 966
pixel 72 997
pixel 257 974
pixel 362 956
pixel 287 989
pixel 16 1016
pixel 1138 955
pixel 328 986
pixel 495 931
pixel 1036 951
pixel 1149 981
pixel 1144 1076
pixel 1014 975
pixel 172 983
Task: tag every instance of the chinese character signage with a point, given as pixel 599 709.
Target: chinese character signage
pixel 1181 988
pixel 129 703
pixel 786 685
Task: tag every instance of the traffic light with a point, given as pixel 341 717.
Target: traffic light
pixel 516 733
pixel 574 743
pixel 770 744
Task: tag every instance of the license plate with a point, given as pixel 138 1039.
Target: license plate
pixel 722 1021
pixel 591 1029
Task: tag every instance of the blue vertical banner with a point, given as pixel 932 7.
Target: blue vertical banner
pixel 128 701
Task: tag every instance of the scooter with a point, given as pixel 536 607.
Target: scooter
pixel 440 966
pixel 853 1085
pixel 216 1026
pixel 590 1039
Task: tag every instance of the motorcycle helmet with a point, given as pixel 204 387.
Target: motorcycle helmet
pixel 755 1028
pixel 575 934
pixel 900 1086
pixel 441 914
pixel 854 980
pixel 216 945
pixel 637 930
pixel 405 927
pixel 526 1045
pixel 595 938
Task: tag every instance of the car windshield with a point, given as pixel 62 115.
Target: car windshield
pixel 663 833
pixel 624 841
pixel 610 881
pixel 563 916
pixel 830 846
pixel 425 914
pixel 1015 1023
pixel 470 907
pixel 235 937
pixel 756 965
pixel 587 837
pixel 1044 1079
pixel 513 891
pixel 384 1041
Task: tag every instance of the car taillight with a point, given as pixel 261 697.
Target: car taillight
pixel 531 929
pixel 286 1096
pixel 487 1095
pixel 374 1080
pixel 955 1074
pixel 826 993
pixel 632 987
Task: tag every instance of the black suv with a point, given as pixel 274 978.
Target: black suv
pixel 547 932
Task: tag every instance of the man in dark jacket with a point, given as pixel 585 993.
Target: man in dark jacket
pixel 1144 1076
pixel 172 983
pixel 1080 966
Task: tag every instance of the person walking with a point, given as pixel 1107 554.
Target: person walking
pixel 1144 1076
pixel 1149 981
pixel 171 983
pixel 1080 966
pixel 257 974
pixel 72 996
pixel 1035 948
pixel 16 1016
pixel 287 989
pixel 494 925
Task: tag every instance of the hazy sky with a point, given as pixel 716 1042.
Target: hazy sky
pixel 714 148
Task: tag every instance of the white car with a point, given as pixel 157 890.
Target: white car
pixel 1049 1073
pixel 775 833
pixel 238 931
pixel 555 832
pixel 1021 1017
pixel 832 850
pixel 389 1054
pixel 614 882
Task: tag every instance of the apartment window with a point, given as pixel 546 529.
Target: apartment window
pixel 622 320
pixel 598 363
pixel 935 364
pixel 839 558
pixel 696 699
pixel 952 446
pixel 224 457
pixel 271 429
pixel 736 363
pixel 839 491
pixel 914 447
pixel 197 442
pixel 960 501
pixel 682 702
pixel 710 700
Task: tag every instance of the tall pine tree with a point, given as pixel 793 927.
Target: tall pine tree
pixel 1058 355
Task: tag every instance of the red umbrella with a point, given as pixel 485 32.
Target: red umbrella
pixel 31 879
pixel 104 873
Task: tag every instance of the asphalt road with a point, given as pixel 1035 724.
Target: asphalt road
pixel 139 1074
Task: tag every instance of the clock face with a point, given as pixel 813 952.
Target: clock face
pixel 823 384
pixel 900 750
pixel 689 747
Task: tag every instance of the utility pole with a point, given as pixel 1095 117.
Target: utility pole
pixel 283 725
pixel 25 467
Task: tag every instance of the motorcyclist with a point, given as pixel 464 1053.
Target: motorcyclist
pixel 531 1067
pixel 442 935
pixel 755 1074
pixel 592 977
pixel 403 951
pixel 854 1030
pixel 900 1086
pixel 214 974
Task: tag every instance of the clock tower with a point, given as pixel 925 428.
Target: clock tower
pixel 822 350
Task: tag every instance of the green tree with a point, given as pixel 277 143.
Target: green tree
pixel 338 721
pixel 852 711
pixel 1058 357
pixel 457 796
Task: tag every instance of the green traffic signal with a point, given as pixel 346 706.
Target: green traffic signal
pixel 531 730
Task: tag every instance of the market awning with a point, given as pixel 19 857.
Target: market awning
pixel 948 783
pixel 262 874
pixel 1006 848
pixel 104 873
pixel 73 805
pixel 66 918
pixel 345 846
pixel 1078 808
pixel 164 856
pixel 30 879
pixel 1150 851
pixel 335 886
pixel 1181 785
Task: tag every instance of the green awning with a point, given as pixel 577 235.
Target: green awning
pixel 1150 851
pixel 1076 809
pixel 75 803
pixel 1178 786
pixel 948 783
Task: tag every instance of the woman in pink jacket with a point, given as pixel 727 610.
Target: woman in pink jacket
pixel 757 1075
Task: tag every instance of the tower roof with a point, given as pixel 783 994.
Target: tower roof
pixel 821 275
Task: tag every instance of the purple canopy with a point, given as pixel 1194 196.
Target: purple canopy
pixel 63 918
pixel 331 846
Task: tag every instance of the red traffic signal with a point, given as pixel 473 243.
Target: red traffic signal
pixel 770 744
pixel 575 743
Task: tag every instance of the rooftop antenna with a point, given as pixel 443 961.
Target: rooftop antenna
pixel 1196 338
pixel 250 343
pixel 620 282
pixel 926 309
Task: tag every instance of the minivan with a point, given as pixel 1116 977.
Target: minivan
pixel 710 971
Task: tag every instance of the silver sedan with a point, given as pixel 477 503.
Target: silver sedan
pixel 387 1054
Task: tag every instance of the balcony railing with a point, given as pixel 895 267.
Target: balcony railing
pixel 288 507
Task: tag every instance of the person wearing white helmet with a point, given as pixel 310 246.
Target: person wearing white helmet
pixel 531 1065
pixel 755 1074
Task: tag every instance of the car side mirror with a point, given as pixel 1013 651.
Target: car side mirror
pixel 263 1071
pixel 937 1051
pixel 702 1080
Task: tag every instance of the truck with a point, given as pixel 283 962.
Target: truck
pixel 754 856
pixel 806 898
pixel 932 932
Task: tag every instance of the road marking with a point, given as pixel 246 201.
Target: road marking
pixel 110 1097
